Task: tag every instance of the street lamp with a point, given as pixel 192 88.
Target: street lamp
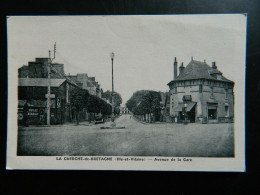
pixel 113 124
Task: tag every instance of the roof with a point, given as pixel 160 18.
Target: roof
pixel 90 84
pixel 199 70
pixel 91 78
pixel 39 82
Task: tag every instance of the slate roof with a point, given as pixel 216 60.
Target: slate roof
pixel 91 78
pixel 39 82
pixel 90 84
pixel 199 70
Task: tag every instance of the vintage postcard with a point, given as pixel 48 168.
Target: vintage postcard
pixel 136 92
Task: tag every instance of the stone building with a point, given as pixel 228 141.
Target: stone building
pixel 39 69
pixel 88 83
pixel 200 93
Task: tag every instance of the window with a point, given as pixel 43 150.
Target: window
pixel 200 88
pixel 211 92
pixel 212 114
pixel 226 93
pixel 212 111
pixel 226 111
pixel 219 77
pixel 186 98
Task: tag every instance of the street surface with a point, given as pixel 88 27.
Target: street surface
pixel 137 139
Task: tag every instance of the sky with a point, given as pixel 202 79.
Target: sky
pixel 144 46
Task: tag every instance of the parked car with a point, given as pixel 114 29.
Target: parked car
pixel 99 119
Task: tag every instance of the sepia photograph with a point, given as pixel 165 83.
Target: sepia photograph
pixel 110 92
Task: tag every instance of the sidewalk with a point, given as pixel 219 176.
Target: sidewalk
pixel 74 123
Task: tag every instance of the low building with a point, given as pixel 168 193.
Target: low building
pixel 200 93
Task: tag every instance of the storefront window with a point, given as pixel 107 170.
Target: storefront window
pixel 212 111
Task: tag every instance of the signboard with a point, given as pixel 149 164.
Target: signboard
pixel 33 112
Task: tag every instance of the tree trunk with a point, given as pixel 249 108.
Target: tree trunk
pixel 77 117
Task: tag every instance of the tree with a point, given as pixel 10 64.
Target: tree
pixel 136 99
pixel 117 99
pixel 145 102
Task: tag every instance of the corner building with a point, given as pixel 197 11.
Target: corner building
pixel 200 93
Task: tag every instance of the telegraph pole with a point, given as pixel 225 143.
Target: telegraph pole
pixel 49 86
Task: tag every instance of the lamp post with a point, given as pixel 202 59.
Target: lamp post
pixel 113 124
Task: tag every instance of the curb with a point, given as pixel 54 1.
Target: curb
pixel 72 124
pixel 147 123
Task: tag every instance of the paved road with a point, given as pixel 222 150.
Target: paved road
pixel 136 139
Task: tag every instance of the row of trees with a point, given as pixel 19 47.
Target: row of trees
pixel 145 102
pixel 117 100
pixel 80 98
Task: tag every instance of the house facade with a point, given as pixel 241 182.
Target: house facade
pixel 32 92
pixel 200 93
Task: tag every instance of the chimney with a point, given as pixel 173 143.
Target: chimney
pixel 175 69
pixel 214 65
pixel 181 68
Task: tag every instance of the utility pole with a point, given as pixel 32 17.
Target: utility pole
pixel 49 86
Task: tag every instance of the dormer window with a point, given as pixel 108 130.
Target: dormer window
pixel 219 77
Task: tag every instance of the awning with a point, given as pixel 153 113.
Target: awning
pixel 180 106
pixel 190 105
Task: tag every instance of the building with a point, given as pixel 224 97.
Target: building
pixel 39 69
pixel 200 93
pixel 124 110
pixel 32 88
pixel 88 83
pixel 32 91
